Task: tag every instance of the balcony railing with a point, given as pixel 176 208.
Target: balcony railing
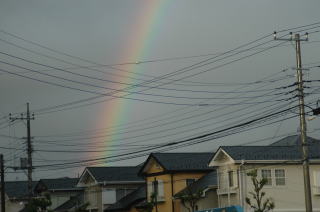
pixel 231 190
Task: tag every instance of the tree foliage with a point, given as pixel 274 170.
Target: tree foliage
pixel 261 203
pixel 148 206
pixel 39 204
pixel 189 199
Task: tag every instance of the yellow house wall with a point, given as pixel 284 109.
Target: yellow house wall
pixel 154 167
pixel 133 209
pixel 179 183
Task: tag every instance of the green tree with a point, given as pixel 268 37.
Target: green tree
pixel 190 199
pixel 39 203
pixel 261 203
pixel 148 206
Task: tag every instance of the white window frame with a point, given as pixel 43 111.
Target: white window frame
pixel 284 177
pixel 108 196
pixel 160 195
pixel 316 182
pixel 271 180
pixel 274 178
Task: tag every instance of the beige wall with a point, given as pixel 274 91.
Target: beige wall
pixel 287 198
pixel 14 206
pixel 60 197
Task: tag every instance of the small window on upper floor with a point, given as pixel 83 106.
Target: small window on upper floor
pixel 156 187
pixel 266 174
pixel 280 177
pixel 190 181
pixel 230 178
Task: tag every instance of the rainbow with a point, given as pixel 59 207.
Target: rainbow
pixel 136 47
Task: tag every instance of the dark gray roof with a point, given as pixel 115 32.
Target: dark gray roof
pixel 207 181
pixel 18 189
pixel 129 200
pixel 64 183
pixel 270 152
pixel 294 140
pixel 115 173
pixel 69 204
pixel 182 161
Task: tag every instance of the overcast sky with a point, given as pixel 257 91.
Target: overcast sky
pixel 58 52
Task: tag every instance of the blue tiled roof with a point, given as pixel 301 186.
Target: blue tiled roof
pixel 115 173
pixel 285 149
pixel 129 200
pixel 64 183
pixel 182 161
pixel 207 181
pixel 18 189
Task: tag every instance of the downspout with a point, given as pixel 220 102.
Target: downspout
pixel 172 193
pixel 218 195
pixel 241 187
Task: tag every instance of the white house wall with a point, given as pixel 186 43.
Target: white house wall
pixel 287 198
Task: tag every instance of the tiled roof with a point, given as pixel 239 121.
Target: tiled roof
pixel 129 200
pixel 60 183
pixel 287 148
pixel 182 161
pixel 18 189
pixel 115 173
pixel 207 181
pixel 294 140
pixel 69 204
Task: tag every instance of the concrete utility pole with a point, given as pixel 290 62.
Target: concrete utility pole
pixel 303 127
pixel 3 195
pixel 29 147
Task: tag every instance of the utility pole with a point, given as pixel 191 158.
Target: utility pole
pixel 303 126
pixel 29 148
pixel 3 195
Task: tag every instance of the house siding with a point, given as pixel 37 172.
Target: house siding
pixel 289 197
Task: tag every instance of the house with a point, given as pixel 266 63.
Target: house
pixel 104 186
pixel 168 173
pixel 207 185
pixel 130 202
pixel 279 163
pixel 60 190
pixel 16 195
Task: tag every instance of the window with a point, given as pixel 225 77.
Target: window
pixel 316 187
pixel 280 177
pixel 230 178
pixel 190 181
pixel 108 196
pixel 156 187
pixel 266 174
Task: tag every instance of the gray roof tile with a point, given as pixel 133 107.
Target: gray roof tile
pixel 285 149
pixel 127 201
pixel 182 161
pixel 115 173
pixel 207 181
pixel 18 189
pixel 64 183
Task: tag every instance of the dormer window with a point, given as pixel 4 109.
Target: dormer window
pixel 230 178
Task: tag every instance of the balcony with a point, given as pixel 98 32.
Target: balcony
pixel 316 190
pixel 231 190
